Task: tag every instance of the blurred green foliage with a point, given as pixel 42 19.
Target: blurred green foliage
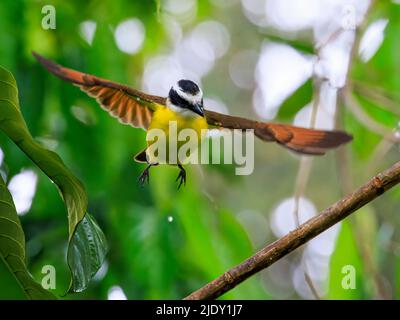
pixel 14 274
pixel 150 256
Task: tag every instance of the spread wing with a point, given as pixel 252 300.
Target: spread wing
pixel 135 108
pixel 301 140
pixel 128 105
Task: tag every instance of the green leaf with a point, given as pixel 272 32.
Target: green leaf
pixel 86 252
pixel 346 254
pixel 71 189
pixel 295 102
pixel 12 254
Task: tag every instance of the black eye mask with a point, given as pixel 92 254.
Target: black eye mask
pixel 177 100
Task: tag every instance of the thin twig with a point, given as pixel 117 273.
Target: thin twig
pixel 303 176
pixel 381 98
pixel 378 282
pixel 379 154
pixel 342 154
pixel 367 121
pixel 310 284
pixel 333 36
pixel 348 99
pixel 301 235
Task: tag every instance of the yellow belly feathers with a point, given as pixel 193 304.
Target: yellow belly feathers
pixel 161 120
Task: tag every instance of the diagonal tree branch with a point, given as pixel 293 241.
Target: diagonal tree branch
pixel 305 232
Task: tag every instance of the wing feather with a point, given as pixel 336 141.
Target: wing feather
pixel 136 108
pixel 128 105
pixel 301 140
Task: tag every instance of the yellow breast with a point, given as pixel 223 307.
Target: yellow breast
pixel 180 131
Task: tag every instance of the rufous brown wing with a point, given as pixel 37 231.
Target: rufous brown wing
pixel 300 140
pixel 133 107
pixel 128 105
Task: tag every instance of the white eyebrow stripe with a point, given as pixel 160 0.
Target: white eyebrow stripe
pixel 188 97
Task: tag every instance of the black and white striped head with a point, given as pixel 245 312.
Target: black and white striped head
pixel 186 98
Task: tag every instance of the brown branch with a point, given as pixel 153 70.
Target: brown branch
pixel 308 230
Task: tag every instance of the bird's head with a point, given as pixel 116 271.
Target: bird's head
pixel 186 97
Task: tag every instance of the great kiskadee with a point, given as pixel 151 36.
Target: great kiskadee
pixel 184 105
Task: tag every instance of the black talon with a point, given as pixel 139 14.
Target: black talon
pixel 181 176
pixel 145 176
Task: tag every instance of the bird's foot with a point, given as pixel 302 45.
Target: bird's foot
pixel 181 177
pixel 145 176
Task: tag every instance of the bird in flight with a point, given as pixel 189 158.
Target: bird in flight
pixel 184 105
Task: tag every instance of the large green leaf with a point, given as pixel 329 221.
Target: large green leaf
pixel 12 254
pixel 346 254
pixel 83 263
pixel 86 252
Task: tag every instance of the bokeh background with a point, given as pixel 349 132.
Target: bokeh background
pixel 296 62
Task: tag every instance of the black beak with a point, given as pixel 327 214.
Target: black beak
pixel 198 108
